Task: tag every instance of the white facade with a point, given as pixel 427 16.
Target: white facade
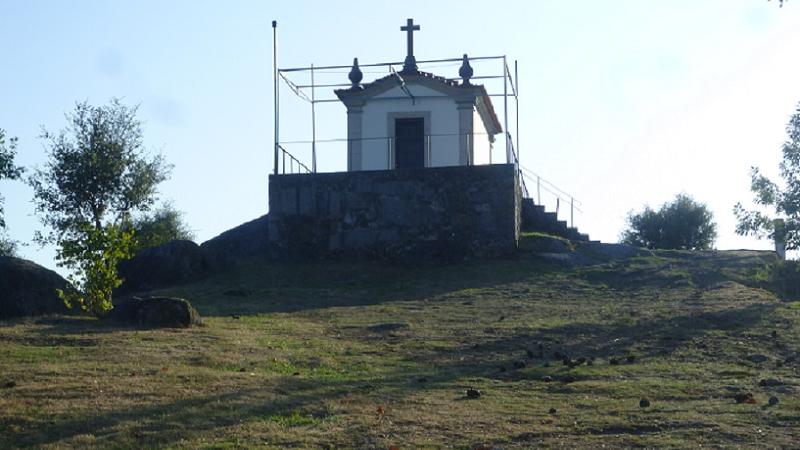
pixel 459 121
pixel 441 127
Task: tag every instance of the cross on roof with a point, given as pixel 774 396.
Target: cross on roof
pixel 410 64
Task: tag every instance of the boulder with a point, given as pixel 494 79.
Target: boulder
pixel 245 242
pixel 155 312
pixel 172 263
pixel 28 289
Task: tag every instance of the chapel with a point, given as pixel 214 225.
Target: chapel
pixel 413 119
pixel 420 179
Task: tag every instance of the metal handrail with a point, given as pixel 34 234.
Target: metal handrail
pixel 555 191
pixel 373 138
pixel 430 147
pixel 540 179
pixel 292 162
pixel 518 166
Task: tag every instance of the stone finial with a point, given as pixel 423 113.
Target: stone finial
pixel 465 72
pixel 355 75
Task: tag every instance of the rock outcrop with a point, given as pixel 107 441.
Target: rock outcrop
pixel 155 312
pixel 28 289
pixel 245 242
pixel 168 264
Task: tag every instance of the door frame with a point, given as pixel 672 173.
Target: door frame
pixel 390 126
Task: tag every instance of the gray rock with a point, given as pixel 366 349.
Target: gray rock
pixel 28 289
pixel 245 242
pixel 172 263
pixel 155 312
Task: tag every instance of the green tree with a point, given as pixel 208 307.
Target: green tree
pixel 782 202
pixel 160 226
pixel 97 175
pixel 681 224
pixel 8 171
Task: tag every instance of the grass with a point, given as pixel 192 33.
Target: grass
pixel 352 355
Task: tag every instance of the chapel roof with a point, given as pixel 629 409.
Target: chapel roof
pixel 447 86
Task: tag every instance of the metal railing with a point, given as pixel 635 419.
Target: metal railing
pixel 294 163
pixel 320 91
pixel 558 193
pixel 479 151
pixel 513 152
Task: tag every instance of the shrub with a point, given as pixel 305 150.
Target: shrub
pixel 682 224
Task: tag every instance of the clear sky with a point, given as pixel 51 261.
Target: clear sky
pixel 623 103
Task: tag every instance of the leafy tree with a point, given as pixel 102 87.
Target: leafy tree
pixel 160 226
pixel 681 224
pixel 93 255
pixel 97 175
pixel 8 171
pixel 785 202
pixel 8 247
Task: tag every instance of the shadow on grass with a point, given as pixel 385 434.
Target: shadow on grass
pixel 671 268
pixel 167 423
pixel 658 338
pixel 164 424
pixel 292 287
pixel 310 286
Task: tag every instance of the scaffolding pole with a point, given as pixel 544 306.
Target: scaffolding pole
pixel 313 125
pixel 516 106
pixel 275 88
pixel 509 160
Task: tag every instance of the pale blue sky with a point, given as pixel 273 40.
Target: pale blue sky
pixel 622 102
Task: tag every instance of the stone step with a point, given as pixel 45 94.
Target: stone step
pixel 536 218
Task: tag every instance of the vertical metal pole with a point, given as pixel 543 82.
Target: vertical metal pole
pixel 509 160
pixel 539 189
pixel 313 124
pixel 516 105
pixel 428 152
pixel 471 150
pixel 572 212
pixel 275 87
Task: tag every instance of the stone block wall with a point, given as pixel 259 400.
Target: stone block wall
pixel 437 212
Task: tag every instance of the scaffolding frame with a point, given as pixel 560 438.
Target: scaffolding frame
pixel 510 92
pixel 309 93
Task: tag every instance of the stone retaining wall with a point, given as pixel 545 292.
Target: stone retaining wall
pixel 437 212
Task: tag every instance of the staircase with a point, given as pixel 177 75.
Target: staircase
pixel 535 218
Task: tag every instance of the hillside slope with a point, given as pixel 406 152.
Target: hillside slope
pixel 344 355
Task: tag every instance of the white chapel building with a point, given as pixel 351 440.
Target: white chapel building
pixel 412 119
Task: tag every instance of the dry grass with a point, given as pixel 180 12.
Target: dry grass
pixel 345 355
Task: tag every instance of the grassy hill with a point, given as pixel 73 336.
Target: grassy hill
pixel 368 355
